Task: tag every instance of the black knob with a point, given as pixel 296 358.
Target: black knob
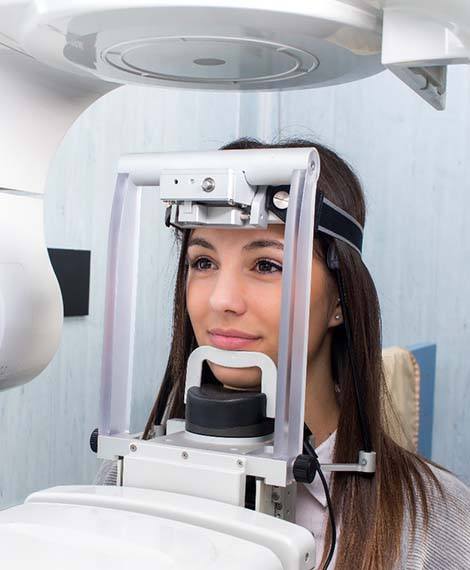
pixel 94 440
pixel 305 468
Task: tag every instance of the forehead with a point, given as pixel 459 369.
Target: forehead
pixel 234 238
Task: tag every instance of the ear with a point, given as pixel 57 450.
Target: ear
pixel 336 315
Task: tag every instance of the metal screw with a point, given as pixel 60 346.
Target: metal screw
pixel 133 447
pixel 185 455
pixel 281 200
pixel 312 165
pixel 276 497
pixel 244 216
pixel 208 184
pixel 239 463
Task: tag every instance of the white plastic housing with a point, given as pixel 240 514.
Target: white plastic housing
pixel 426 32
pixel 30 302
pixel 208 44
pixel 260 166
pixel 37 106
pixel 122 528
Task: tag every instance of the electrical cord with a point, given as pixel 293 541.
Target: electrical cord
pixel 332 262
pixel 362 418
pixel 309 450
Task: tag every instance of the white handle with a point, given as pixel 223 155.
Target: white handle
pixel 234 359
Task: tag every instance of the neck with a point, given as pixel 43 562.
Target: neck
pixel 321 406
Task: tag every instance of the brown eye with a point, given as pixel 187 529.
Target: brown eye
pixel 202 264
pixel 266 266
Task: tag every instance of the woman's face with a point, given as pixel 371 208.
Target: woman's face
pixel 233 296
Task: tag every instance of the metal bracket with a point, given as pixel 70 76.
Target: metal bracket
pixel 366 464
pixel 430 83
pixel 278 502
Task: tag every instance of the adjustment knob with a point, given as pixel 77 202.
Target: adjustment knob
pixel 305 468
pixel 94 440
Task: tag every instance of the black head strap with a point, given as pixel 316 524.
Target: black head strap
pixel 330 219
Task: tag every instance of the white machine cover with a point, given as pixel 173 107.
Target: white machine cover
pixel 46 534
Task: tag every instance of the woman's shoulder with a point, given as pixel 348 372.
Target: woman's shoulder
pixel 444 542
pixel 451 493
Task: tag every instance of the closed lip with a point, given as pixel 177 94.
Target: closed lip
pixel 232 333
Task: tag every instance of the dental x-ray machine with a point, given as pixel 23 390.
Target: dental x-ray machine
pixel 188 486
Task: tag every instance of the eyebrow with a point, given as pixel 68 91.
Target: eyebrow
pixel 264 243
pixel 257 244
pixel 201 242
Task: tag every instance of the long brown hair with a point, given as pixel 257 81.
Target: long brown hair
pixel 370 510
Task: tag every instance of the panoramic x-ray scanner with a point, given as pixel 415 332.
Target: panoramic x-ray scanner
pixel 57 58
pixel 202 493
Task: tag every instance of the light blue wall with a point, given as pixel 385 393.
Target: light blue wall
pixel 415 166
pixel 413 163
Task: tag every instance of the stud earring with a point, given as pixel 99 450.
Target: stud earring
pixel 337 317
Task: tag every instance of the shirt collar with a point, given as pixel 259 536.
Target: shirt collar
pixel 325 455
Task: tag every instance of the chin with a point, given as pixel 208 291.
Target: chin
pixel 238 378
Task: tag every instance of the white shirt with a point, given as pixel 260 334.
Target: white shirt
pixel 311 506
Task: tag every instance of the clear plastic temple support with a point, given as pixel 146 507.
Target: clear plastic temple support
pixel 120 308
pixel 294 325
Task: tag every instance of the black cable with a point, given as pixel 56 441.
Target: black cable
pixel 333 264
pixel 362 417
pixel 308 448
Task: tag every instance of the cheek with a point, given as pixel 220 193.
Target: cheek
pixel 271 309
pixel 264 316
pixel 197 303
pixel 320 307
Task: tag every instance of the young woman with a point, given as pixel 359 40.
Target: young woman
pixel 410 514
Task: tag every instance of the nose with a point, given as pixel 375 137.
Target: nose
pixel 227 295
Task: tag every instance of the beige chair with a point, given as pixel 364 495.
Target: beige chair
pixel 402 376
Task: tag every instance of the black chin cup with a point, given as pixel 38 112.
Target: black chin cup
pixel 220 412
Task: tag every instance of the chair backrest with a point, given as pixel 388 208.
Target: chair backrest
pixel 402 377
pixel 411 377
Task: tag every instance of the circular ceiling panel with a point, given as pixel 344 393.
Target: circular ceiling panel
pixel 236 44
pixel 210 60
